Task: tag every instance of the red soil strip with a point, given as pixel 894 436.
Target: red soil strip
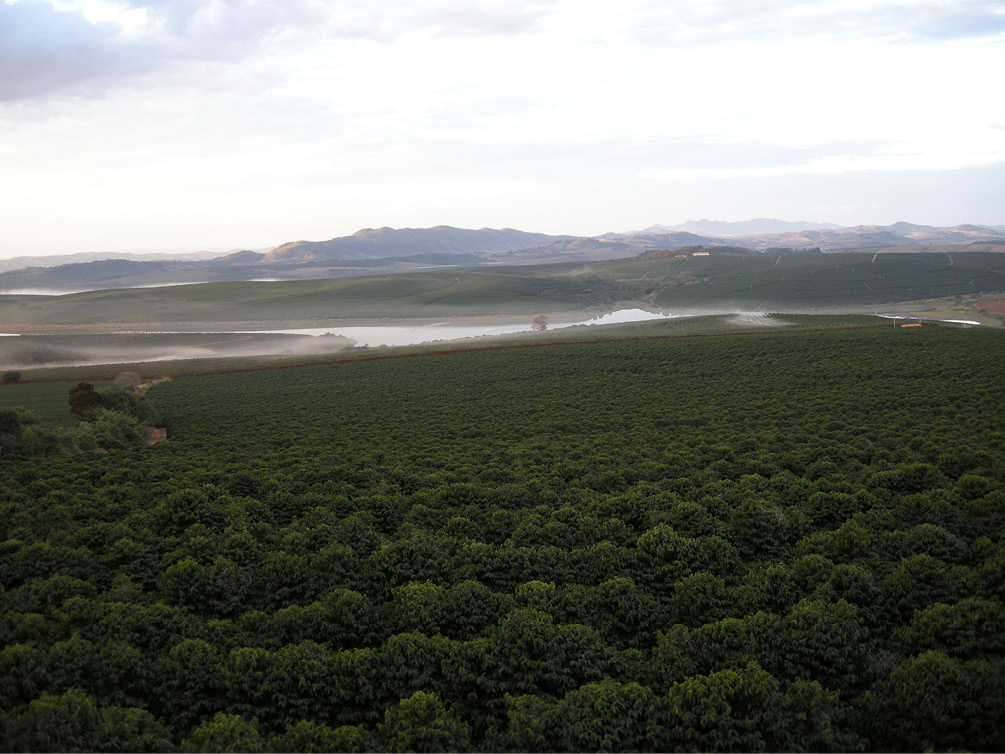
pixel 992 307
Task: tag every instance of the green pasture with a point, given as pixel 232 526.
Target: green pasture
pixel 803 281
pixel 719 282
pixel 304 303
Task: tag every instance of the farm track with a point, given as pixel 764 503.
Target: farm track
pixel 478 349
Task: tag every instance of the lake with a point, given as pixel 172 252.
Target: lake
pixel 409 335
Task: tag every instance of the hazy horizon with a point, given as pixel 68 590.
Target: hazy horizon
pixel 220 251
pixel 232 124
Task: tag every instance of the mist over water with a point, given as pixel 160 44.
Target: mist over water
pixel 135 347
pixel 34 351
pixel 760 319
pixel 88 289
pixel 39 350
pixel 43 291
pixel 405 335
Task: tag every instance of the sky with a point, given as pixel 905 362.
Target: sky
pixel 227 124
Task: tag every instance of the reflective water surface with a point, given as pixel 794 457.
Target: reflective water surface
pixel 405 335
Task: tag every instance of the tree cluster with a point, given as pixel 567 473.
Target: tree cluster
pixel 123 398
pixel 109 419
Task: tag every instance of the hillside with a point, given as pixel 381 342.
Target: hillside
pixel 53 260
pixel 674 282
pixel 392 251
pixel 804 281
pixel 744 228
pixel 381 243
pixel 898 234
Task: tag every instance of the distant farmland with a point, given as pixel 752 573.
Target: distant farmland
pixel 718 282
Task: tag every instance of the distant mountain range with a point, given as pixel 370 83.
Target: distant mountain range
pixel 860 236
pixel 384 243
pixel 390 250
pixel 16 263
pixel 744 228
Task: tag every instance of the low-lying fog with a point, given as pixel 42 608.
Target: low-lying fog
pixel 33 351
pixel 410 335
pixel 80 350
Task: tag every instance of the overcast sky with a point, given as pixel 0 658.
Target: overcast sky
pixel 198 124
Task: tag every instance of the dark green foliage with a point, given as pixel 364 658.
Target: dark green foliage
pixel 84 399
pixel 972 628
pixel 128 729
pixel 225 733
pixel 771 542
pixel 11 377
pixel 129 402
pixel 113 430
pixel 933 701
pixel 12 423
pixel 69 722
pixel 732 710
pixel 606 716
pixel 422 723
pixel 312 737
pixel 824 642
pixel 21 434
pixel 747 709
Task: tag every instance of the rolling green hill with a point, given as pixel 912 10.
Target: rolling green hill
pixel 669 281
pixel 801 281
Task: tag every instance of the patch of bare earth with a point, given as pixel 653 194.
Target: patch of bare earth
pixel 991 306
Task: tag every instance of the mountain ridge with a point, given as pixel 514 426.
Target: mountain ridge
pixel 83 257
pixel 743 227
pixel 369 243
pixel 390 250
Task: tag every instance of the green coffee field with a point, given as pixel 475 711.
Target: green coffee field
pixel 783 541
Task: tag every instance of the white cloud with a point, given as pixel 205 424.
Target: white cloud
pixel 88 46
pixel 710 22
pixel 49 46
pixel 42 49
pixel 254 119
pixel 835 165
pixel 467 19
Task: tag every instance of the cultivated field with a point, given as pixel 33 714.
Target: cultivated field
pixel 775 541
pixel 54 358
pixel 867 283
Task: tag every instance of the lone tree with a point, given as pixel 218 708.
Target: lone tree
pixel 539 323
pixel 83 398
pixel 11 378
